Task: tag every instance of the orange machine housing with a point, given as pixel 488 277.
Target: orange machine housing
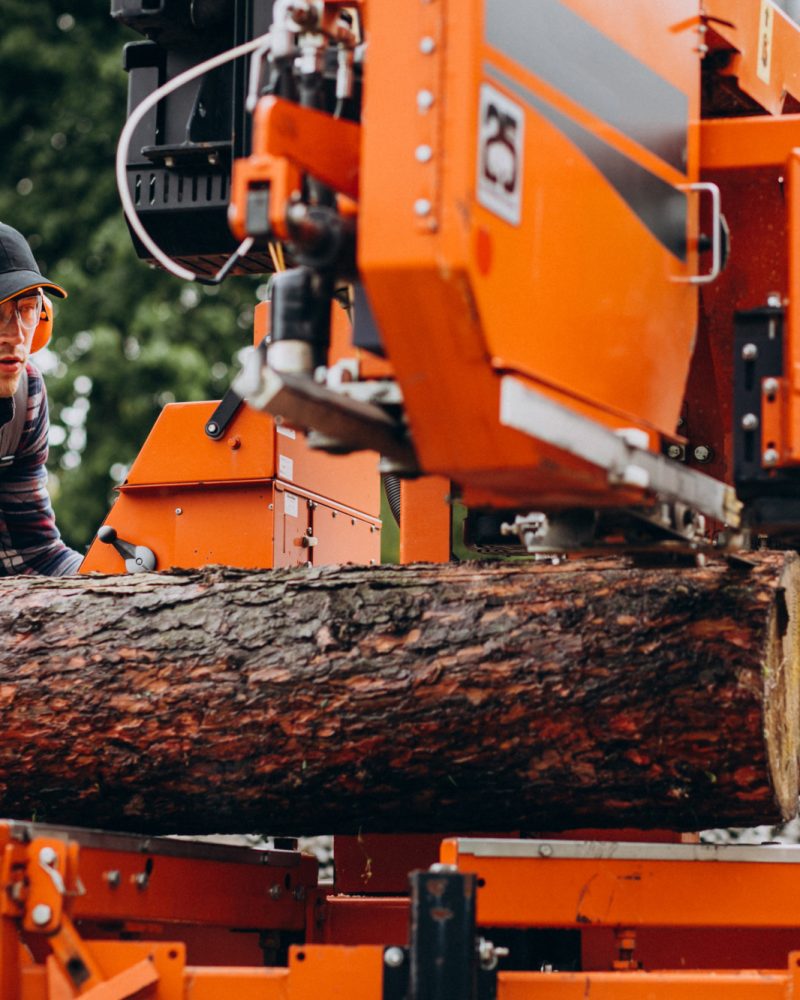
pixel 257 497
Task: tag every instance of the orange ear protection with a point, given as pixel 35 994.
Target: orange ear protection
pixel 44 328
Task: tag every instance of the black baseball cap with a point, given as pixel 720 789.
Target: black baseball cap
pixel 18 269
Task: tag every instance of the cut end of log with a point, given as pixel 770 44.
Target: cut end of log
pixel 782 687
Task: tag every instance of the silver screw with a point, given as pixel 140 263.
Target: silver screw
pixel 275 891
pixel 394 957
pixel 749 352
pixel 546 850
pixel 113 877
pixel 41 914
pixel 771 387
pixel 770 457
pixel 702 453
pixel 179 511
pixel 427 45
pixel 422 207
pixel 749 422
pixel 423 154
pixel 212 427
pixel 674 451
pixel 425 99
pixel 774 300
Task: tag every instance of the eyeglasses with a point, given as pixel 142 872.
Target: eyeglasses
pixel 27 309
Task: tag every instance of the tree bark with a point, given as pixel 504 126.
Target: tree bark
pixel 425 698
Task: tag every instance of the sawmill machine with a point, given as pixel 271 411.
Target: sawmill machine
pixel 537 258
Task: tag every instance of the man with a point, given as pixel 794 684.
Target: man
pixel 29 539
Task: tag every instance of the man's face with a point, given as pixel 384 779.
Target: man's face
pixel 18 320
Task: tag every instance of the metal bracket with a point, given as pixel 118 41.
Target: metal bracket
pixel 533 413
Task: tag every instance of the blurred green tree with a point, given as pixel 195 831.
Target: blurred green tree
pixel 129 339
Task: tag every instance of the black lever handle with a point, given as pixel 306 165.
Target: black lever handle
pixel 138 558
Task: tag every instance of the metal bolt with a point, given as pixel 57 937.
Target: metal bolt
pixel 674 451
pixel 770 457
pixel 113 878
pixel 749 352
pixel 179 511
pixel 394 957
pixel 41 914
pixel 702 453
pixel 771 387
pixel 774 300
pixel 423 154
pixel 47 856
pixel 546 850
pixel 275 891
pixel 749 422
pixel 299 893
pixel 212 427
pixel 425 100
pixel 427 45
pixel 422 207
pixel 141 880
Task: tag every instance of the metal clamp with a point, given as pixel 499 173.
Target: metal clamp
pixel 717 230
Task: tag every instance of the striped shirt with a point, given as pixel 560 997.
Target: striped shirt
pixel 29 539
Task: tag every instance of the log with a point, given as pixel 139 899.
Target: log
pixel 421 698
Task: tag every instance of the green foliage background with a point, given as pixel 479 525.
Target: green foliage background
pixel 128 339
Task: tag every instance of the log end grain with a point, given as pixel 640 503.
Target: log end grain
pixel 782 686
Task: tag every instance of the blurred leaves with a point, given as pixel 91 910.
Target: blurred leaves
pixel 129 338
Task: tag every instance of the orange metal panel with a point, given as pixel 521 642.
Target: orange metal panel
pixel 736 143
pixel 235 984
pixel 327 972
pixel 349 480
pixel 191 527
pixel 611 892
pixel 118 958
pixel 766 59
pixel 312 140
pixel 425 520
pixel 178 450
pixel 642 986
pixel 192 891
pixel 292 523
pixel 579 295
pixel 342 537
pixel 380 863
pixel 359 920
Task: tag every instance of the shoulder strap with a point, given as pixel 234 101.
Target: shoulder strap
pixel 11 433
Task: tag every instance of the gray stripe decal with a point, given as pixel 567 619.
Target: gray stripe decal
pixel 562 49
pixel 659 205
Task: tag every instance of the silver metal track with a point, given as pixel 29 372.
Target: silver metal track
pixel 534 414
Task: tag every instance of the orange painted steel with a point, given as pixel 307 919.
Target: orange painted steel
pixel 764 63
pixel 643 986
pixel 744 143
pixel 311 140
pixel 196 501
pixel 425 520
pixel 605 891
pixel 509 292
